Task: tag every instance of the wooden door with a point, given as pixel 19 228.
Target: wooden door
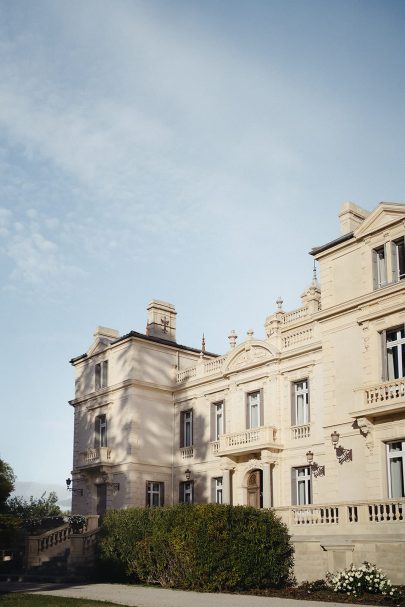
pixel 101 499
pixel 254 489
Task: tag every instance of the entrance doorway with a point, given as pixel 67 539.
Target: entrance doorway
pixel 255 489
pixel 101 498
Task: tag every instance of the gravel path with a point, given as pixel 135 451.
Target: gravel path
pixel 139 596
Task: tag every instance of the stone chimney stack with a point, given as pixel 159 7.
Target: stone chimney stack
pixel 351 216
pixel 162 320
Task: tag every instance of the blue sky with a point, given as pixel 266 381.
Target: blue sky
pixel 191 151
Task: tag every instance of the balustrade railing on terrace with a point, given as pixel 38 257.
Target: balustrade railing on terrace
pixel 295 315
pixel 204 368
pixel 40 548
pixel 392 390
pixel 186 452
pixel 97 455
pixel 349 514
pixel 296 338
pixel 298 432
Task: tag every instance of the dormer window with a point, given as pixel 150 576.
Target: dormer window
pixel 101 375
pixel 389 263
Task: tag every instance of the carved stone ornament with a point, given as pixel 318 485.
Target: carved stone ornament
pixel 366 429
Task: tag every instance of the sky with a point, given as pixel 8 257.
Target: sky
pixel 183 150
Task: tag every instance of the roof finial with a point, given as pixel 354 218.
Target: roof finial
pixel 147 328
pixel 203 343
pixel 314 276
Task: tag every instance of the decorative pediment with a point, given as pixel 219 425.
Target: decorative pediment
pixel 249 354
pixel 385 214
pixel 98 345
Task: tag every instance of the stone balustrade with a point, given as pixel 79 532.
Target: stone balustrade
pixel 248 440
pixel 389 391
pixel 297 338
pixel 40 548
pixel 215 447
pixel 355 515
pixel 186 452
pixel 96 456
pixel 298 432
pixel 295 315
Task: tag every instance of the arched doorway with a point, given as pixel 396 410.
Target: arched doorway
pixel 255 489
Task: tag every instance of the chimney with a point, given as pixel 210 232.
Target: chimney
pixel 351 216
pixel 162 320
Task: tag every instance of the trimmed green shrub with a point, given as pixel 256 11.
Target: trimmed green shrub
pixel 210 547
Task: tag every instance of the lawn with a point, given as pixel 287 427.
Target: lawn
pixel 16 599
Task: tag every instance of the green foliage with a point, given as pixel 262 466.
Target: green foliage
pixel 34 508
pixel 208 547
pixel 7 480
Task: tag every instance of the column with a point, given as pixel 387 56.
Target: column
pixel 226 486
pixel 266 485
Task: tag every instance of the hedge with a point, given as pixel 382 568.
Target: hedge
pixel 210 547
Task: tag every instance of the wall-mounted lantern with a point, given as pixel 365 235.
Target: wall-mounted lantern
pixel 342 454
pixel 187 474
pixel 69 488
pixel 315 468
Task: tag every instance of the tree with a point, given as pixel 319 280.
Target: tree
pixel 7 480
pixel 34 508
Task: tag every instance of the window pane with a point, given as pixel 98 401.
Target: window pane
pixel 301 492
pixel 254 416
pixel 400 260
pixel 397 477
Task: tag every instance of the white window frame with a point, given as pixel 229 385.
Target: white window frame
pixel 396 455
pixel 218 419
pixel 218 489
pixel 393 350
pixel 101 430
pixel 381 269
pixel 305 480
pixel 154 489
pixel 301 389
pixel 187 421
pixel 252 405
pixel 187 488
pixel 101 375
pixel 398 275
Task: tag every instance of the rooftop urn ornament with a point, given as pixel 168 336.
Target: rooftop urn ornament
pixel 232 338
pixel 279 302
pixel 249 333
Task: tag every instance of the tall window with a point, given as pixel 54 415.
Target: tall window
pixel 186 492
pixel 380 267
pixel 218 420
pixel 218 490
pixel 186 428
pixel 253 410
pixel 399 259
pixel 100 439
pixel 395 351
pixel 300 404
pixel 154 493
pixel 396 469
pixel 301 485
pixel 101 375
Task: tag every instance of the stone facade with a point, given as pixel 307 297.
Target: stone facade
pixel 157 422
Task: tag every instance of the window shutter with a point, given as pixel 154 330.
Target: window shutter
pixel 181 492
pixel 384 360
pixel 309 402
pixel 223 417
pixel 394 261
pixel 181 429
pixel 192 492
pixel 105 374
pixel 213 487
pixel 294 497
pixel 97 433
pixel 293 409
pixel 213 421
pixel 105 431
pixel 147 502
pixel 375 269
pixel 192 427
pixel 247 411
pixel 97 376
pixel 261 407
pixel 162 494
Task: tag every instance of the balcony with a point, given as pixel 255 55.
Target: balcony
pixel 186 452
pixel 247 441
pixel 97 456
pixel 298 432
pixel 382 398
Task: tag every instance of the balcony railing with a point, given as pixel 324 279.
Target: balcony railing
pixel 186 452
pixel 360 515
pixel 393 390
pixel 248 441
pixel 96 456
pixel 298 432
